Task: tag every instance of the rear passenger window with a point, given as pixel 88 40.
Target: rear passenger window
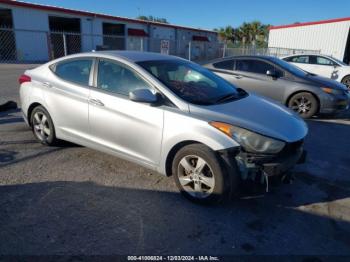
pixel 253 66
pixel 300 59
pixel 76 71
pixel 227 65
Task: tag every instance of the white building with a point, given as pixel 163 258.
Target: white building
pixel 33 32
pixel 330 37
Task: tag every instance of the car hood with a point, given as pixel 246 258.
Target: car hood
pixel 256 114
pixel 324 82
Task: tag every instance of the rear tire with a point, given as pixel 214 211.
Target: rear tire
pixel 42 126
pixel 304 103
pixel 200 174
pixel 346 81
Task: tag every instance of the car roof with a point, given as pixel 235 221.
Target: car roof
pixel 264 57
pixel 306 54
pixel 132 56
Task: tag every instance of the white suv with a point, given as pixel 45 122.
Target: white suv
pixel 322 65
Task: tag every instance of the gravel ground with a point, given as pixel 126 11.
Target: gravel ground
pixel 71 200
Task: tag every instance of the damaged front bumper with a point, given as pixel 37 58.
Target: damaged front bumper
pixel 261 166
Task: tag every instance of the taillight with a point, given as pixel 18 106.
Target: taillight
pixel 24 78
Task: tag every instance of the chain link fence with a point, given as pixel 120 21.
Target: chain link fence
pixel 28 46
pixel 7 45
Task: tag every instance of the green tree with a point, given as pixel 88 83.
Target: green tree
pixel 153 19
pixel 227 34
pixel 245 33
pixel 264 36
pixel 248 34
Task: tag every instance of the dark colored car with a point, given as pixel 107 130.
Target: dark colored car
pixel 303 92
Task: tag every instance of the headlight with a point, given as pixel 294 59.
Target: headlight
pixel 332 91
pixel 250 141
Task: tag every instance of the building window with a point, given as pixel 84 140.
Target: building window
pixel 6 18
pixel 113 36
pixel 64 29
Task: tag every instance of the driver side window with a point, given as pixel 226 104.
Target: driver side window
pixel 324 61
pixel 116 78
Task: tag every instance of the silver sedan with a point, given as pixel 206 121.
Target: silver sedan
pixel 165 113
pixel 305 93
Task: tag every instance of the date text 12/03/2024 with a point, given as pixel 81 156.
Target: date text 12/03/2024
pixel 173 258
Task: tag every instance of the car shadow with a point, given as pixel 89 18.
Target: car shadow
pixel 11 157
pixel 7 156
pixel 10 116
pixel 9 105
pixel 85 218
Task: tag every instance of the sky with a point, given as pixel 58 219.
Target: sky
pixel 210 14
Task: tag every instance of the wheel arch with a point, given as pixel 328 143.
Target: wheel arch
pixel 304 91
pixel 172 153
pixel 30 110
pixel 341 81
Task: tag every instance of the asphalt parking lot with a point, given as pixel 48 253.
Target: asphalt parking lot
pixel 71 200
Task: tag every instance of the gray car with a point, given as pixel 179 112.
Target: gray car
pixel 165 113
pixel 303 92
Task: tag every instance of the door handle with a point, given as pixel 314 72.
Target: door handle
pixel 238 77
pixel 96 102
pixel 47 84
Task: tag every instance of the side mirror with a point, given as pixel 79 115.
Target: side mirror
pixel 143 96
pixel 272 73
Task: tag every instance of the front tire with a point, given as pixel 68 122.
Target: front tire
pixel 42 126
pixel 346 81
pixel 200 175
pixel 304 103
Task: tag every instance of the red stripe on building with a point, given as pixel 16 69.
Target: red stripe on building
pixel 311 23
pixel 200 38
pixel 137 32
pixel 91 14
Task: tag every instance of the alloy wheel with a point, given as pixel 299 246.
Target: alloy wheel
pixel 301 105
pixel 346 82
pixel 41 126
pixel 196 176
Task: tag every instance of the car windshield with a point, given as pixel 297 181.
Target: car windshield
pixel 289 67
pixel 192 82
pixel 339 62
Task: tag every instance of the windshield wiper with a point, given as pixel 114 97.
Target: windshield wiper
pixel 231 96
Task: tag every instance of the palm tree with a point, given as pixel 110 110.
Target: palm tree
pixel 226 33
pixel 245 31
pixel 153 19
pixel 263 39
pixel 255 32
